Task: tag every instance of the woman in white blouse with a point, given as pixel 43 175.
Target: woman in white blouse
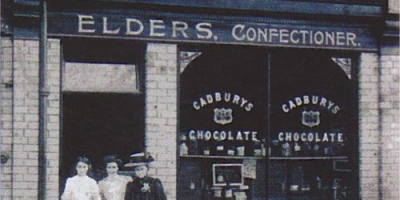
pixel 80 186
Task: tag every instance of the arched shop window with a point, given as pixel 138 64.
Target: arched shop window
pixel 313 130
pixel 257 123
pixel 223 121
pixel 102 102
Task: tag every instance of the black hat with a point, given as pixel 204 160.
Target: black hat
pixel 139 159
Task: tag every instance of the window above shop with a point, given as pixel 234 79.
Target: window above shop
pixel 370 8
pixel 233 3
pixel 205 2
pixel 330 7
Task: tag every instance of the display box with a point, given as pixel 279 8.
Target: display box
pixel 228 174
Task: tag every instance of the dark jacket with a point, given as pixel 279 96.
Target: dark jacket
pixel 138 190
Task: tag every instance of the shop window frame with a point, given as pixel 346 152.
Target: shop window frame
pixel 354 157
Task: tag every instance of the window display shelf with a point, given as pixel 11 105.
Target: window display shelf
pixel 309 158
pixel 270 158
pixel 221 157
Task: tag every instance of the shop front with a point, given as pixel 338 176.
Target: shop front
pixel 267 107
pixel 245 102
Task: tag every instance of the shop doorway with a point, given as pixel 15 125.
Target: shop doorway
pixel 102 103
pixel 95 125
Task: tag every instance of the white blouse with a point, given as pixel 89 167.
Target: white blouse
pixel 113 188
pixel 81 188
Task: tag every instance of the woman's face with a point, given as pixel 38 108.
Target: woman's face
pixel 141 171
pixel 112 168
pixel 82 168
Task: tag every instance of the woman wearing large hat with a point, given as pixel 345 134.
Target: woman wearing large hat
pixel 143 187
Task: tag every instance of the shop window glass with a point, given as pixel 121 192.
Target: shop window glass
pixel 223 124
pixel 312 128
pixel 306 141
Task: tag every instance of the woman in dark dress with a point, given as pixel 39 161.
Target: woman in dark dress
pixel 143 187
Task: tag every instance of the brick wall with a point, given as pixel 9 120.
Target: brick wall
pixel 6 116
pixel 161 113
pixel 53 118
pixel 379 126
pixel 25 120
pixel 20 118
pixel 394 6
pixel 369 126
pixel 389 106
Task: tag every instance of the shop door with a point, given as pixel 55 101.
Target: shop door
pixel 102 104
pixel 223 124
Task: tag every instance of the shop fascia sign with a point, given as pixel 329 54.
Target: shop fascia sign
pixel 310 118
pixel 229 31
pixel 223 116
